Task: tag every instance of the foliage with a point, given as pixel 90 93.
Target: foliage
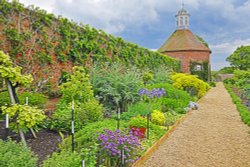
pixel 147 76
pixel 161 75
pixel 16 155
pixel 35 99
pixel 64 158
pixel 117 144
pixel 138 121
pixel 23 116
pixel 90 111
pixel 240 58
pixel 12 73
pixel 58 41
pixel 227 70
pixel 87 108
pixel 87 136
pixel 77 87
pixel 203 73
pixel 141 108
pixel 157 117
pixel 116 86
pixel 190 83
pixel 243 110
pixel 173 99
pixel 171 118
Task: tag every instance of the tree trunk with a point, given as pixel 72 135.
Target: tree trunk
pixel 14 99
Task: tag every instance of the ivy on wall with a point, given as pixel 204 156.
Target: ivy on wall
pixel 201 69
pixel 35 40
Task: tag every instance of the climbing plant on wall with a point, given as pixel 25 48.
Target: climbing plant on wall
pixel 201 69
pixel 35 39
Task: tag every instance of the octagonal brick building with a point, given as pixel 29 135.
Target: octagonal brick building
pixel 191 50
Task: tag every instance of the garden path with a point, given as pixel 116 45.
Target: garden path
pixel 212 136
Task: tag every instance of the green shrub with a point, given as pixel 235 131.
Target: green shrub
pixel 157 117
pixel 16 155
pixel 190 83
pixel 138 121
pixel 140 108
pixel 90 111
pixel 35 99
pixel 86 137
pixel 63 159
pixel 87 108
pixel 243 110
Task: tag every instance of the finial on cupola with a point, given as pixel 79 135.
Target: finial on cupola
pixel 182 18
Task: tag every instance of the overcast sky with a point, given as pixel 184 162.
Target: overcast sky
pixel 224 24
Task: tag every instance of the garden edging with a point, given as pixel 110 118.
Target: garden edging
pixel 152 149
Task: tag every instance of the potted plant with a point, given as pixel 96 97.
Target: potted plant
pixel 138 126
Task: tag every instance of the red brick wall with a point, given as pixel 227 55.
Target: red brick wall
pixel 187 56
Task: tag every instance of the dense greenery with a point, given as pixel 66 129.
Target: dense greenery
pixel 244 112
pixel 23 116
pixel 116 86
pixel 190 83
pixel 48 41
pixel 34 99
pixel 87 108
pixel 16 155
pixel 240 58
pixel 64 158
pixel 204 71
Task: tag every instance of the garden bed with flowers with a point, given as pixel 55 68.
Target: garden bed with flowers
pixel 101 112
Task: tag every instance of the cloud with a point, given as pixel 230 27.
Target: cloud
pixel 221 51
pixel 47 5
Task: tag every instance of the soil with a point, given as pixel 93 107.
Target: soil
pixel 213 135
pixel 44 145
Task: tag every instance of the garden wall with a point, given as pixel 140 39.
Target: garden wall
pixel 49 46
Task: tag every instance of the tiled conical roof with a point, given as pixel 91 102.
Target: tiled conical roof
pixel 183 40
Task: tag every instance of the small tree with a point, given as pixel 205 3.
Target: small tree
pixel 240 58
pixel 23 117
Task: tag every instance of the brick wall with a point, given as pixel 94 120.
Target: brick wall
pixel 187 56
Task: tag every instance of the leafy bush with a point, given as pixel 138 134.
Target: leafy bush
pixel 158 118
pixel 16 155
pixel 23 116
pixel 116 86
pixel 138 121
pixel 35 99
pixel 190 83
pixel 90 111
pixel 64 158
pixel 87 108
pixel 244 112
pixel 87 136
pixel 140 108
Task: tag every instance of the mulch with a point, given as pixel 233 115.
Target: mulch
pixel 43 146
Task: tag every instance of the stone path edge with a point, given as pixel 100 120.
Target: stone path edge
pixel 154 147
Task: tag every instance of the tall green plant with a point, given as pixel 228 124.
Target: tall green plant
pixel 116 86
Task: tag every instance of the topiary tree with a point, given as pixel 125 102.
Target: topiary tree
pixel 23 117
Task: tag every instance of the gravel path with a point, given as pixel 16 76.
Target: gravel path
pixel 212 136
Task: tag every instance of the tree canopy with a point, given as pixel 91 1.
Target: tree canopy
pixel 240 58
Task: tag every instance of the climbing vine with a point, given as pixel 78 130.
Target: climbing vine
pixel 34 39
pixel 200 69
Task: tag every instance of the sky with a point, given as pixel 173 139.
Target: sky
pixel 223 24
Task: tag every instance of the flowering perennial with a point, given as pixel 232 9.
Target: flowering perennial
pixel 156 92
pixel 118 146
